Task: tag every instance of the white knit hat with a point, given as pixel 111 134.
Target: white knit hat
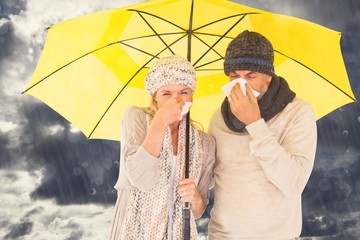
pixel 172 70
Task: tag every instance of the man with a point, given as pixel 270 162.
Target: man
pixel 265 149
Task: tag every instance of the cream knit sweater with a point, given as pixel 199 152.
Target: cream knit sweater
pixel 260 175
pixel 141 170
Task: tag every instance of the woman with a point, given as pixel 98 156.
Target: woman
pixel 151 185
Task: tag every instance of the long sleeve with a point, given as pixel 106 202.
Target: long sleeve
pixel 206 177
pixel 138 165
pixel 260 174
pixel 287 159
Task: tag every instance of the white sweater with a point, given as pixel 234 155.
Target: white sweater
pixel 260 175
pixel 143 169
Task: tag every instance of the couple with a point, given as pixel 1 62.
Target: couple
pixel 264 148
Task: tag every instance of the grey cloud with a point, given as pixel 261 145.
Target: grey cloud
pixel 75 235
pixel 19 230
pixel 35 211
pixel 4 223
pixel 11 7
pixel 339 129
pixel 5 39
pixel 331 198
pixel 76 170
pixel 80 171
pixel 5 154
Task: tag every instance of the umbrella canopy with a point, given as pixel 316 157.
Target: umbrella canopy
pixel 92 67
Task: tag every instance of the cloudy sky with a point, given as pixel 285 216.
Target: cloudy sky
pixel 55 184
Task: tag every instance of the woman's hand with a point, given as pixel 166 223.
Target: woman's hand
pixel 188 192
pixel 168 114
pixel 170 111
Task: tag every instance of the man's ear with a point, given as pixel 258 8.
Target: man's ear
pixel 268 78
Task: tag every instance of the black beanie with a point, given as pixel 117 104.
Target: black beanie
pixel 249 51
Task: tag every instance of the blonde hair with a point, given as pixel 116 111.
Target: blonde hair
pixel 152 108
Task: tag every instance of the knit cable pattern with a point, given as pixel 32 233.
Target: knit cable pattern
pixel 147 214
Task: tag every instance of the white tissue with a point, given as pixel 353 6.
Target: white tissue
pixel 227 87
pixel 185 109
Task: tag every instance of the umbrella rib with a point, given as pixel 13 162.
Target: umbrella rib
pixel 158 17
pixel 208 70
pixel 158 35
pixel 55 71
pixel 152 35
pixel 152 55
pixel 117 95
pixel 95 50
pixel 138 49
pixel 205 64
pixel 221 37
pixel 226 18
pixel 317 74
pixel 211 34
pixel 122 89
pixel 140 13
pixel 189 32
pixel 210 47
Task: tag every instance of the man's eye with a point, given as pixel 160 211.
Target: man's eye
pixel 166 94
pixel 185 92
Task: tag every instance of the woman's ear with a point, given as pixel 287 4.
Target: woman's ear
pixel 154 100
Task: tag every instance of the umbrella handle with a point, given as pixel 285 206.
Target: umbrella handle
pixel 186 222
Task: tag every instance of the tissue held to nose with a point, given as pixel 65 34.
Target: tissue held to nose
pixel 185 109
pixel 227 87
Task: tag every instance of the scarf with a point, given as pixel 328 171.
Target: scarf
pixel 147 213
pixel 275 99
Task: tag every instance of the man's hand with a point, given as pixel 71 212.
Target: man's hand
pixel 245 108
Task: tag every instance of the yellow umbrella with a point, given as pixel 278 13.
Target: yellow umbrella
pixel 92 67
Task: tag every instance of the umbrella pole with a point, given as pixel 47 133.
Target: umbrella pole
pixel 186 210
